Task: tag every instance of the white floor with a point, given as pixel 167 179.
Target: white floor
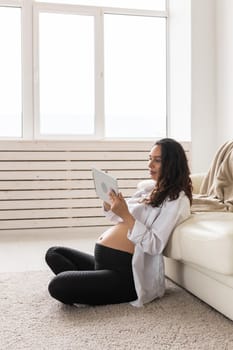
pixel 24 253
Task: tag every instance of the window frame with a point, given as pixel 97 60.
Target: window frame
pixel 30 62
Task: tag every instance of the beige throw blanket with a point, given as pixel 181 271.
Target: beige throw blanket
pixel 216 192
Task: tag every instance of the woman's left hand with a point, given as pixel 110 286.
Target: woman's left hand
pixel 118 204
pixel 120 208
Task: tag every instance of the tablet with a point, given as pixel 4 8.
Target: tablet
pixel 104 183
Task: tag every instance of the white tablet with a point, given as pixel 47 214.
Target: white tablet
pixel 104 183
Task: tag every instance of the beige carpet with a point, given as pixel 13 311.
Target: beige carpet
pixel 30 319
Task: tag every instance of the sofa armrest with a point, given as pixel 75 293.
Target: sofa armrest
pixel 197 180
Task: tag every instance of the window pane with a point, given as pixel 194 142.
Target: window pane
pixel 135 76
pixel 158 5
pixel 10 72
pixel 66 74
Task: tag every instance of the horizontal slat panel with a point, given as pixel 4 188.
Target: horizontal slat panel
pixel 73 165
pixel 64 232
pixel 81 156
pixel 46 194
pixel 67 184
pixel 52 203
pixel 49 213
pixel 53 184
pixel 17 224
pixel 77 145
pixel 69 174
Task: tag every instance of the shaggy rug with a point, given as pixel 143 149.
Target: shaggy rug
pixel 31 319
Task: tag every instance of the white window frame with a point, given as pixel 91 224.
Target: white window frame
pixel 30 62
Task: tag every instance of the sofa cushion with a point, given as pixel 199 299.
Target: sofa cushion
pixel 205 239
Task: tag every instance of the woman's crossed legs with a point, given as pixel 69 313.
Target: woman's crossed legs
pixel 77 280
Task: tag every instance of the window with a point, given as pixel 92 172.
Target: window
pixel 135 76
pixel 10 72
pixel 97 69
pixel 66 58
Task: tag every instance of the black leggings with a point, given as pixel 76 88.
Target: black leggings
pixel 105 278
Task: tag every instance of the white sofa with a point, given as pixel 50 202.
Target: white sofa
pixel 199 256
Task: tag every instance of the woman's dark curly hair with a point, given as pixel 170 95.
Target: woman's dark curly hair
pixel 174 174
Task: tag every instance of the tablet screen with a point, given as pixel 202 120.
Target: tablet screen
pixel 104 183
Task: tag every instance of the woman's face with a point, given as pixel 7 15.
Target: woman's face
pixel 155 162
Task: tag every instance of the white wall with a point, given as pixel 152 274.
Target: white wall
pixel 212 78
pixel 193 77
pixel 203 83
pixel 224 68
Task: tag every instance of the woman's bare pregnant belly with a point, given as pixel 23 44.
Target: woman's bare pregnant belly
pixel 116 237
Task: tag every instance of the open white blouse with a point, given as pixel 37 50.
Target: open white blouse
pixel 150 234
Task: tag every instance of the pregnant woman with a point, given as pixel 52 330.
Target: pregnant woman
pixel 127 265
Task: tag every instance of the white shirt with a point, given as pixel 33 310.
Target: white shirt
pixel 150 234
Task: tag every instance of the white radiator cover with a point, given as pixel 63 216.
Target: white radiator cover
pixel 47 187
